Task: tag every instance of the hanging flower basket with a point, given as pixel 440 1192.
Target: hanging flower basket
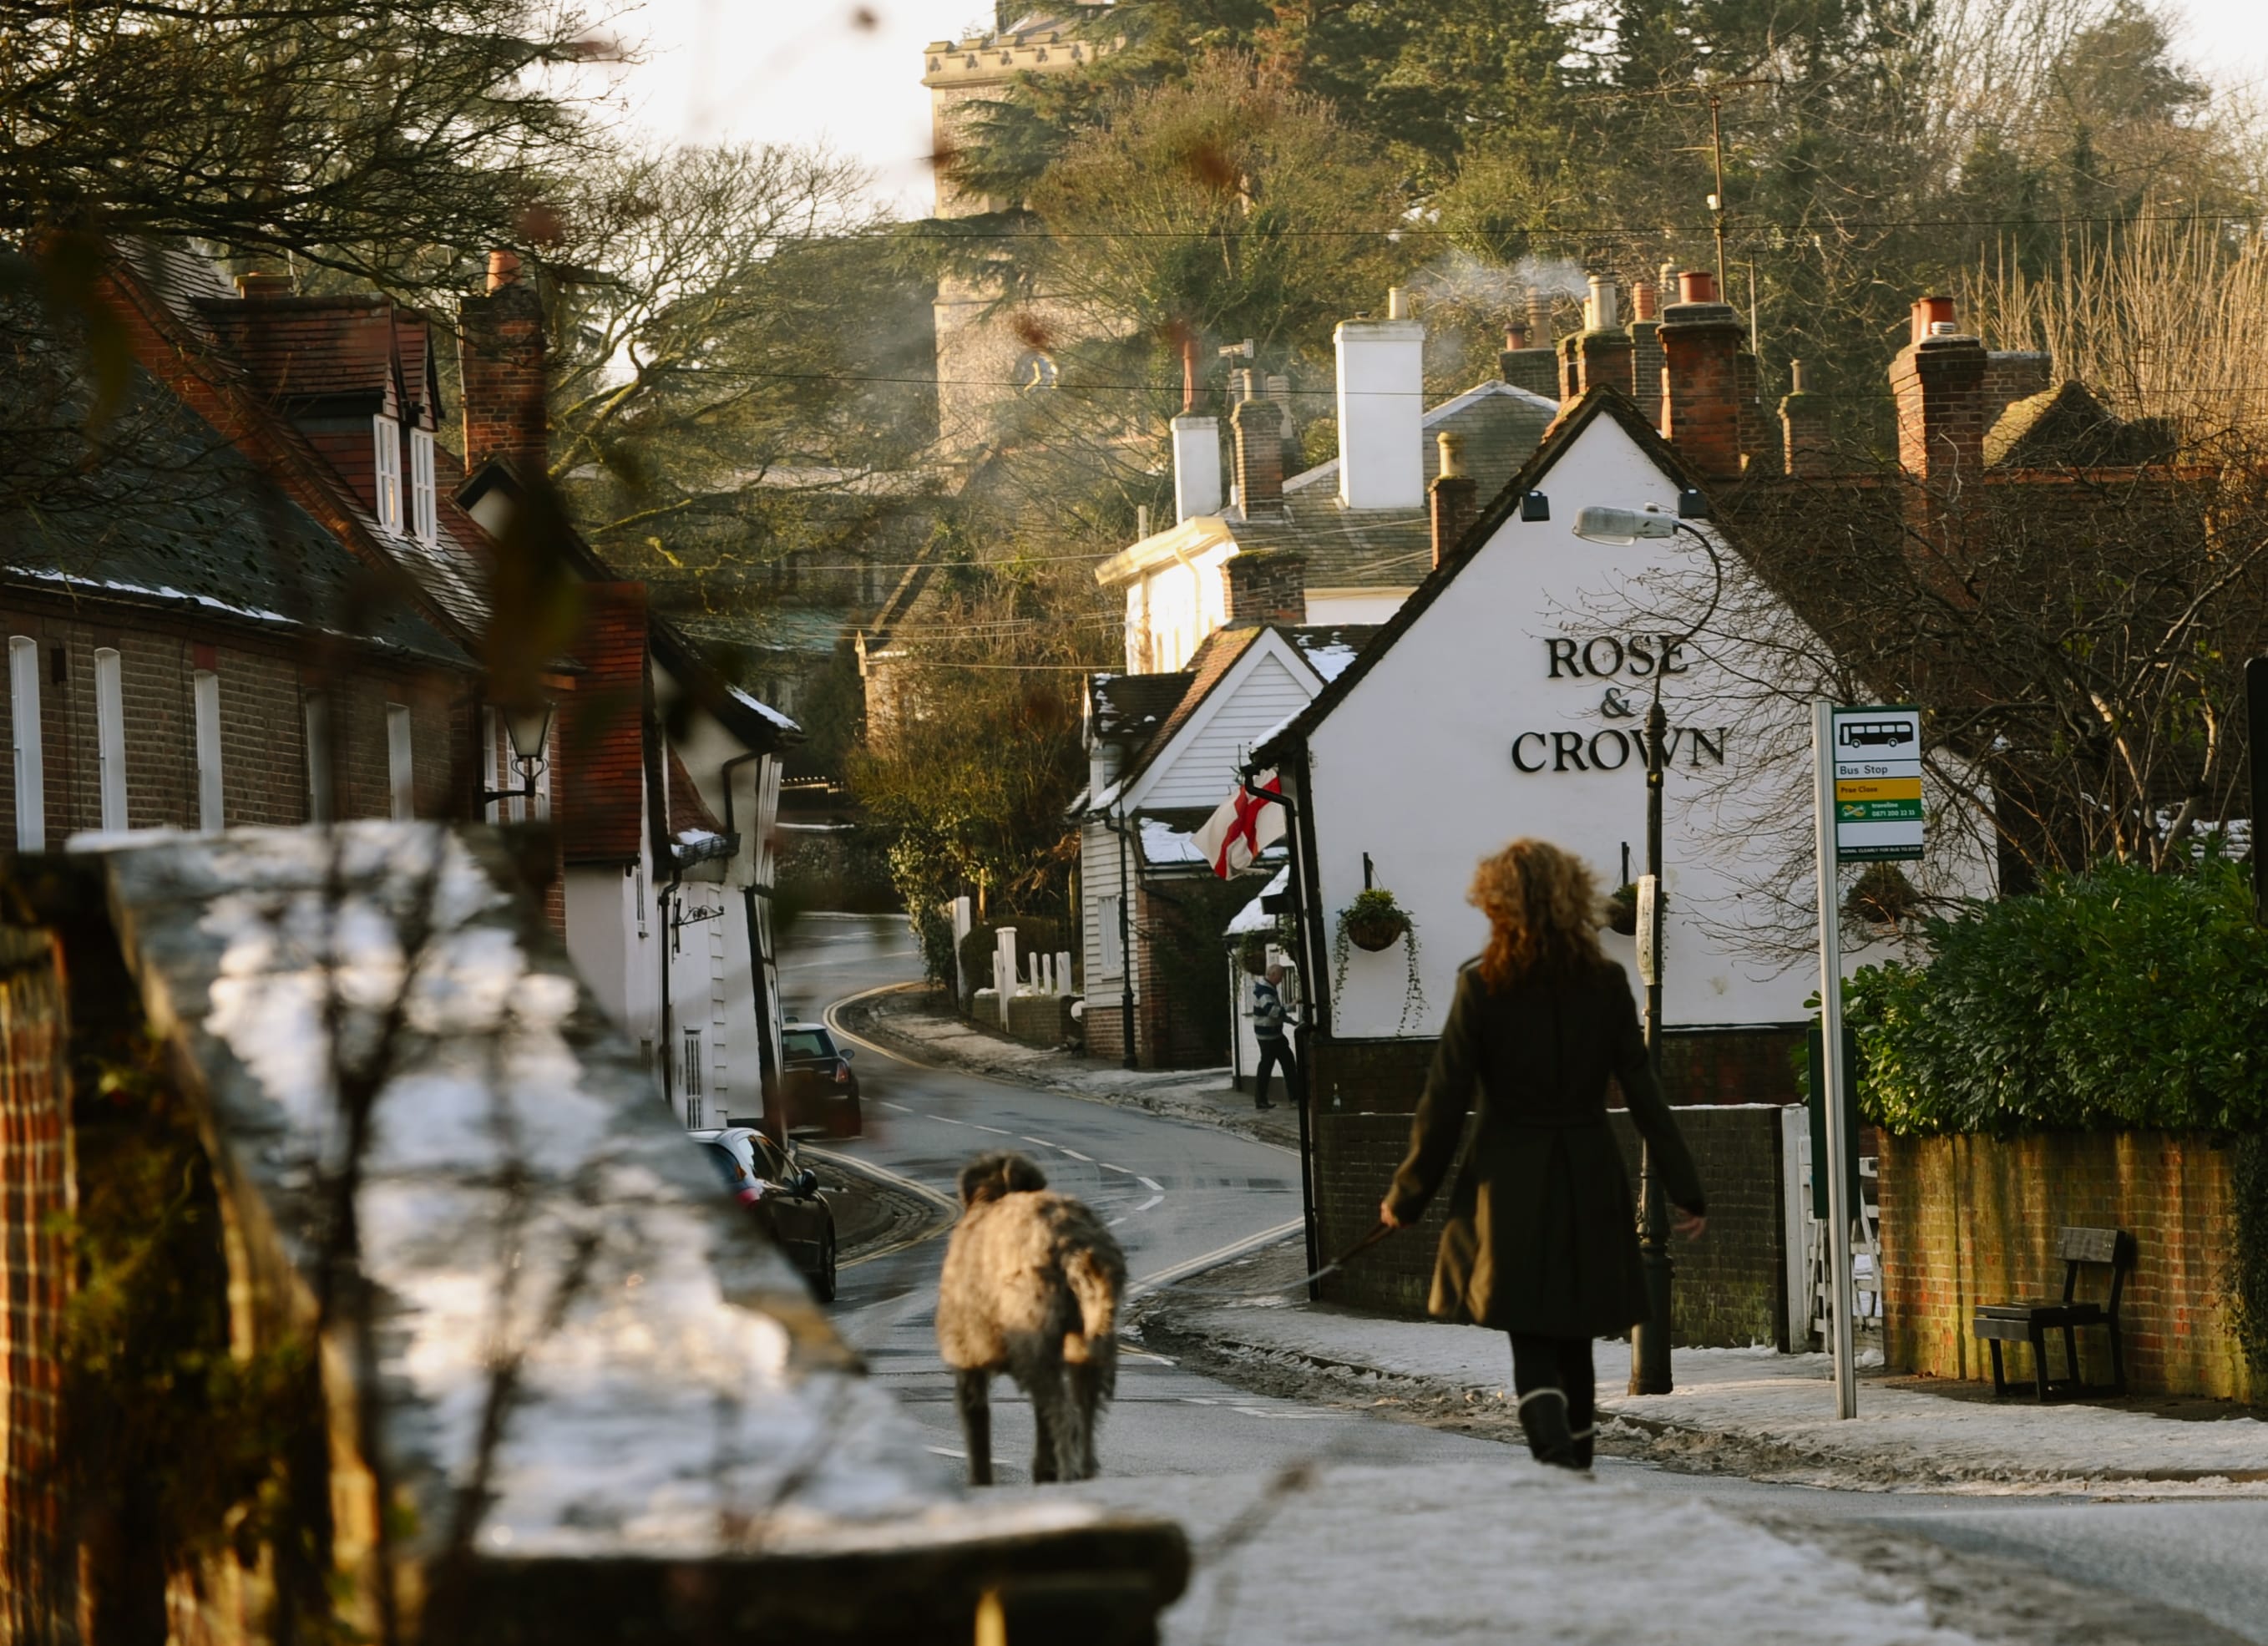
pixel 1375 921
pixel 1622 910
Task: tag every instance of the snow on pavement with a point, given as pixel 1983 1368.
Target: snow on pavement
pixel 1786 1401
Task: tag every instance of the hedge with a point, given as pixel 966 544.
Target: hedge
pixel 2113 999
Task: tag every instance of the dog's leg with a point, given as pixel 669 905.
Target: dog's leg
pixel 972 1392
pixel 1086 1405
pixel 1048 1421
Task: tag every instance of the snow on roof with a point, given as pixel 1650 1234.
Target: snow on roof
pixel 1162 843
pixel 764 709
pixel 1252 916
pixel 665 1311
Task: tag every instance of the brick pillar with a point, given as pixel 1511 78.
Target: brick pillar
pixel 1939 382
pixel 1257 426
pixel 1455 497
pixel 1756 429
pixel 1807 424
pixel 1701 342
pixel 500 353
pixel 1266 587
pixel 1645 345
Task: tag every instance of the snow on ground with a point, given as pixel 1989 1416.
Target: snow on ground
pixel 1506 1552
pixel 1787 1401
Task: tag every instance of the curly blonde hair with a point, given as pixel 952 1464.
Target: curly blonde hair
pixel 1541 905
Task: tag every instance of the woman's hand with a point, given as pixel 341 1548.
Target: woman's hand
pixel 1386 1214
pixel 1689 1225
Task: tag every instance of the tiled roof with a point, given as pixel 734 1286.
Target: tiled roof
pixel 601 794
pixel 342 350
pixel 1130 708
pixel 176 517
pixel 1389 549
pixel 2067 427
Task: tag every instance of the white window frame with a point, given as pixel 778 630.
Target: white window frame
pixel 401 763
pixel 490 760
pixel 31 765
pixel 204 691
pixel 689 1075
pixel 385 441
pixel 110 734
pixel 425 498
pixel 315 715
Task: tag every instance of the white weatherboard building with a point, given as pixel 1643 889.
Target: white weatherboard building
pixel 1507 698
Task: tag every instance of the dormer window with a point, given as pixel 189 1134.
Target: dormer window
pixel 387 439
pixel 424 507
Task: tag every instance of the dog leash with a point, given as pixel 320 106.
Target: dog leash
pixel 1379 1232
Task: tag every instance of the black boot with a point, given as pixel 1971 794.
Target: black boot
pixel 1586 1440
pixel 1544 1420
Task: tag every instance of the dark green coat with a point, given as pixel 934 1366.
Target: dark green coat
pixel 1542 1234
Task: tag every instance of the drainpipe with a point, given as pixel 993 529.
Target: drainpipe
pixel 1303 1034
pixel 767 1077
pixel 1125 939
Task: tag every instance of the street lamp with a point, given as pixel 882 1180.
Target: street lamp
pixel 528 726
pixel 1650 1371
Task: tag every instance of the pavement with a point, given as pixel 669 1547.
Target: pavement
pixel 1343 1478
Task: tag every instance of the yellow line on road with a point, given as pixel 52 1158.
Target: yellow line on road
pixel 1213 1259
pixel 942 1203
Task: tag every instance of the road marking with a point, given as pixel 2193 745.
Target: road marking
pixel 1041 1141
pixel 900 1107
pixel 944 1203
pixel 1146 1204
pixel 1213 1259
pixel 1151 1184
pixel 994 1130
pixel 946 1451
pixel 1120 1170
pixel 1075 1155
pixel 946 1118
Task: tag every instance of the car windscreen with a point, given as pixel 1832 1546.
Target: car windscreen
pixel 806 1042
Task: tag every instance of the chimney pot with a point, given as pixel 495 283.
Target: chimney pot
pixel 504 268
pixel 1642 301
pixel 1453 454
pixel 1600 307
pixel 1539 319
pixel 1928 313
pixel 261 283
pixel 1397 303
pixel 1940 328
pixel 1516 337
pixel 1695 286
pixel 1795 385
pixel 1455 497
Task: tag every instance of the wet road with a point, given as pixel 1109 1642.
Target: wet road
pixel 1180 1196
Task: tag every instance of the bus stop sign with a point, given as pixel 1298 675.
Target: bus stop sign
pixel 1877 753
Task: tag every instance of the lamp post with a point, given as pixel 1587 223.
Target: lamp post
pixel 1650 1372
pixel 528 726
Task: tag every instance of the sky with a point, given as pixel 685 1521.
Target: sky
pixel 802 70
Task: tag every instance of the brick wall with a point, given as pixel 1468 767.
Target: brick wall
pixel 1972 1219
pixel 1732 1286
pixel 263 738
pixel 1165 1036
pixel 1106 1029
pixel 34 1263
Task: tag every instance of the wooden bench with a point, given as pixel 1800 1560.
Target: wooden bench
pixel 2031 1322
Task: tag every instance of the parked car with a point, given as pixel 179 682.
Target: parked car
pixel 781 1195
pixel 817 1082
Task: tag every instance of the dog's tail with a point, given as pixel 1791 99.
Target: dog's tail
pixel 1093 1282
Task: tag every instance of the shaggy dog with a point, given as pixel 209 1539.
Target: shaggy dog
pixel 1030 1287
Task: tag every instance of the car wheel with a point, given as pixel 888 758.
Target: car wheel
pixel 822 1281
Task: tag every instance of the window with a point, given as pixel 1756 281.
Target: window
pixel 425 510
pixel 1106 915
pixel 317 710
pixel 489 762
pixel 205 695
pixel 24 720
pixel 692 1074
pixel 110 734
pixel 386 438
pixel 401 770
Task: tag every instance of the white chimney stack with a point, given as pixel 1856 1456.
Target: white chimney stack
pixel 1197 467
pixel 1381 406
pixel 1600 310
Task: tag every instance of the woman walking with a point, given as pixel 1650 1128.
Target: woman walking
pixel 1542 1240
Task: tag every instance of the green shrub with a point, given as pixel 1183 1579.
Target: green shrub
pixel 2117 999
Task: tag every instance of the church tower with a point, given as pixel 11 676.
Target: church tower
pixel 985 360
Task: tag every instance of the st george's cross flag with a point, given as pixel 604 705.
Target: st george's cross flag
pixel 1242 828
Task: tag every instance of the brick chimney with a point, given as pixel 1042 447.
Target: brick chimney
pixel 1456 497
pixel 500 354
pixel 1806 422
pixel 1257 427
pixel 1265 587
pixel 1701 342
pixel 1645 345
pixel 1526 365
pixel 1756 432
pixel 259 282
pixel 1939 382
pixel 1602 352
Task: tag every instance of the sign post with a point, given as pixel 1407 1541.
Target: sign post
pixel 1867 799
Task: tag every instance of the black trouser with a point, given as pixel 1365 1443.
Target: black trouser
pixel 1276 1054
pixel 1562 1418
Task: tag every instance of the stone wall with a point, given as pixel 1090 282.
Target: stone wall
pixel 1973 1219
pixel 1732 1286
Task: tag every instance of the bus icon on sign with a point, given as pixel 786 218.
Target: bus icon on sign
pixel 1873 734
